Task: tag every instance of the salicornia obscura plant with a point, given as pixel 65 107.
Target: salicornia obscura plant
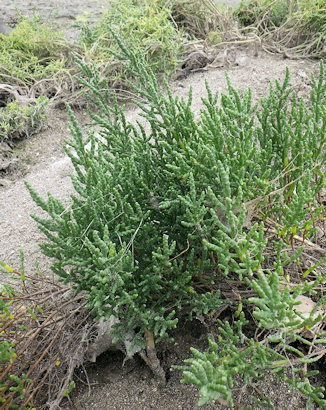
pixel 169 209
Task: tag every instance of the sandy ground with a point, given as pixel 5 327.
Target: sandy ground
pixel 42 162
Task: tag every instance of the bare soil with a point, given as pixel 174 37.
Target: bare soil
pixel 41 161
pixel 132 387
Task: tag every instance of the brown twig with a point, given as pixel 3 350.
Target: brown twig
pixel 181 253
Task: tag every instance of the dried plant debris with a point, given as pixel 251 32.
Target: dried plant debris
pixel 45 332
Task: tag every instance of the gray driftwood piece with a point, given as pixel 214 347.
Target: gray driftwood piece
pixel 104 341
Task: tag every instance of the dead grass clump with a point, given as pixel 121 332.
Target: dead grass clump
pixel 295 28
pixel 45 332
pixel 201 19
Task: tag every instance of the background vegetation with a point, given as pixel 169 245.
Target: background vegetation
pixel 146 26
pixel 31 52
